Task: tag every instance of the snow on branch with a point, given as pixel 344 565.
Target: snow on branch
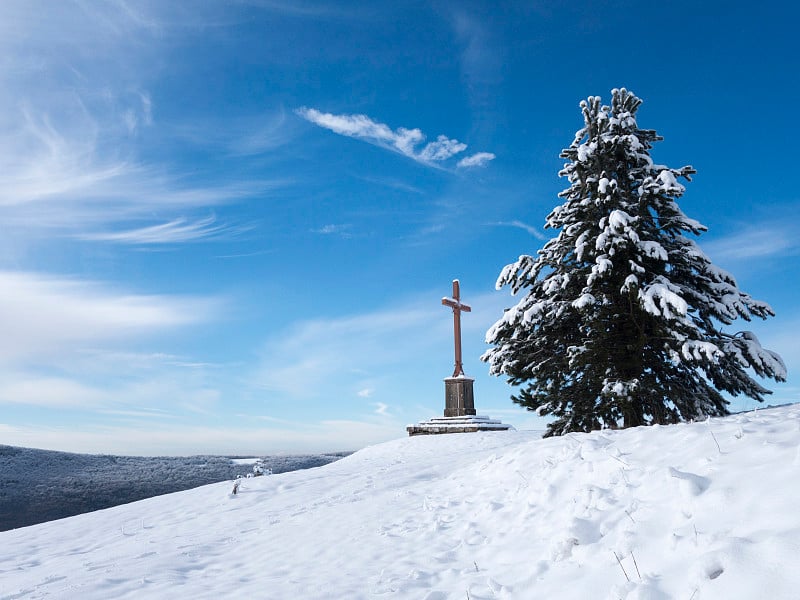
pixel 659 300
pixel 747 350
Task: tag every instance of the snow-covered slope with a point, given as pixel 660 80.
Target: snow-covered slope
pixel 698 511
pixel 43 485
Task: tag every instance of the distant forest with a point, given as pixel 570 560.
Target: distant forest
pixel 42 485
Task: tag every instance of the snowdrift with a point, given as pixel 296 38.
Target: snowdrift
pixel 695 511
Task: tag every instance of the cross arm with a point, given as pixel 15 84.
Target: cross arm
pixel 455 304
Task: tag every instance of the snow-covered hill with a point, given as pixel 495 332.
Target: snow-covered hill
pixel 42 485
pixel 692 512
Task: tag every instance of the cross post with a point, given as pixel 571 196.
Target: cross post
pixel 458 307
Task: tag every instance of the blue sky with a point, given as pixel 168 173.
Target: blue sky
pixel 227 226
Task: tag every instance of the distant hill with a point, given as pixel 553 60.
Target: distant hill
pixel 42 485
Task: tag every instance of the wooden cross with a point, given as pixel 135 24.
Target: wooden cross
pixel 458 307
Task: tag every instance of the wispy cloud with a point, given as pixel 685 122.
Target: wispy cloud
pixel 59 175
pixel 243 438
pixel 44 315
pixel 756 241
pixel 342 230
pixel 345 353
pixel 79 125
pixel 476 160
pixel 442 149
pixel 392 183
pixel 482 60
pixel 67 343
pixel 236 135
pixel 46 158
pixel 176 231
pixel 123 393
pixel 55 392
pixel 402 351
pixel 401 140
pixel 359 352
pixel 535 232
pixel 133 118
pixel 304 9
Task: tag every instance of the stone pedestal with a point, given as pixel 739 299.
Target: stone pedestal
pixel 459 400
pixel 467 424
pixel 459 412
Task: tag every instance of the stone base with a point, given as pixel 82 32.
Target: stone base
pixel 459 399
pixel 465 424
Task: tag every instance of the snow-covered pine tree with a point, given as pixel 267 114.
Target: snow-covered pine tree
pixel 622 321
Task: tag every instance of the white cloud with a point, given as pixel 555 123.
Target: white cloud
pixel 367 351
pixel 166 439
pixel 344 353
pixel 313 363
pixel 400 140
pixel 237 135
pixel 481 59
pixel 535 232
pixel 442 149
pixel 342 230
pixel 147 108
pixel 757 241
pixel 42 315
pixel 476 160
pixel 305 9
pixel 361 126
pixel 178 230
pixel 66 344
pixel 391 183
pixel 49 156
pixel 133 118
pixel 38 390
pixel 56 174
pixel 110 389
pixel 74 100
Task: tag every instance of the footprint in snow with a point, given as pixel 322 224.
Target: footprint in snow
pixel 584 531
pixel 714 572
pixel 709 567
pixel 562 549
pixel 690 484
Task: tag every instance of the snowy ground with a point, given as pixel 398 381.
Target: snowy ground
pixel 692 512
pixel 43 485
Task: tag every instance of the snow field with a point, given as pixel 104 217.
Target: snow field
pixel 695 511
